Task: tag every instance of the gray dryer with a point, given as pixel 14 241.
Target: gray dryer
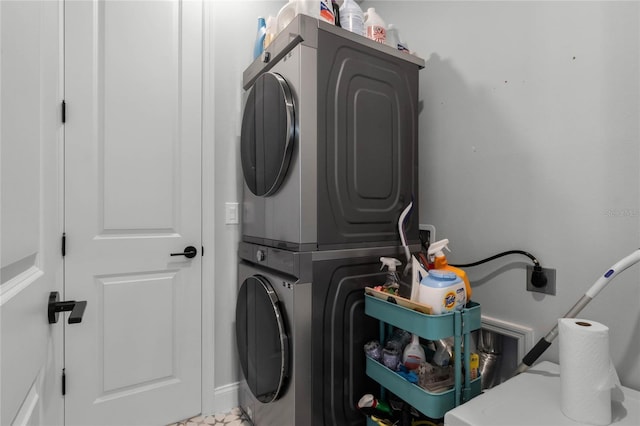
pixel 329 141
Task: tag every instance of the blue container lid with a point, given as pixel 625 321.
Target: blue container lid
pixel 440 278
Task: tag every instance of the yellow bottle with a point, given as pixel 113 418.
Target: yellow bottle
pixel 440 262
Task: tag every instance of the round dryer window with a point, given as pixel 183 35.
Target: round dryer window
pixel 268 133
pixel 263 345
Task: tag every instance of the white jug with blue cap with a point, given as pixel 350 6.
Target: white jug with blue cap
pixel 443 291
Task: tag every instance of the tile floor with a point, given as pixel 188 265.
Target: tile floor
pixel 233 418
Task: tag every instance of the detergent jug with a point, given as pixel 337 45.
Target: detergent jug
pixel 443 290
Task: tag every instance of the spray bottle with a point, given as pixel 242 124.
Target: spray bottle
pixel 436 255
pixel 413 354
pixel 392 283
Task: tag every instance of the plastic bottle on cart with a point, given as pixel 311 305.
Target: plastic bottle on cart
pixel 413 354
pixel 259 44
pixel 443 290
pixel 374 26
pixel 436 255
pixel 352 17
pixel 392 283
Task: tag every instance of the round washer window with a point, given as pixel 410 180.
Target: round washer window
pixel 268 134
pixel 263 345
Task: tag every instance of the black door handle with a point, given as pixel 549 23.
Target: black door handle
pixel 189 252
pixel 55 307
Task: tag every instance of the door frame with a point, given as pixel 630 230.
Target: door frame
pixel 208 405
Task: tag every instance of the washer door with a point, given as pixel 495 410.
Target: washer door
pixel 263 345
pixel 268 134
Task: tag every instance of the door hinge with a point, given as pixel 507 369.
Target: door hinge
pixel 64 244
pixel 202 251
pixel 64 112
pixel 64 383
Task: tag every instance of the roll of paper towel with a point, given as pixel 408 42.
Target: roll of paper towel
pixel 587 374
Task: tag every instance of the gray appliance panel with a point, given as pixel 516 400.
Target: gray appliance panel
pixel 288 218
pixel 353 167
pixel 332 331
pixel 367 157
pixel 294 406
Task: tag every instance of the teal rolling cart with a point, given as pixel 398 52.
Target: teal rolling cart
pixel 458 324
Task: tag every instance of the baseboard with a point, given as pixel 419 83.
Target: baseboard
pixel 225 398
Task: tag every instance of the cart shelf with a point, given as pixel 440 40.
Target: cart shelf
pixel 458 324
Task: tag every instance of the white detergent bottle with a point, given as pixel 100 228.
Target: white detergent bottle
pixel 443 290
pixel 352 17
pixel 375 27
pixel 413 354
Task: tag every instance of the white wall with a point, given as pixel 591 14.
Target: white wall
pixel 529 139
pixel 234 31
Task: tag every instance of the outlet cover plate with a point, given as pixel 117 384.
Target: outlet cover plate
pixel 550 288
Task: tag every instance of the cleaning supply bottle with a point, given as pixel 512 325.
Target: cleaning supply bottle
pixel 443 291
pixel 352 17
pixel 270 31
pixel 375 28
pixel 392 283
pixel 442 355
pixel 436 255
pixel 259 44
pixel 326 12
pixel 336 13
pixel 413 354
pixel 392 36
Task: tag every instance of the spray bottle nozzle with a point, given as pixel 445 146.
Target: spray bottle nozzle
pixel 390 262
pixel 393 281
pixel 435 249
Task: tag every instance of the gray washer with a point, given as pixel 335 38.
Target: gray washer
pixel 276 385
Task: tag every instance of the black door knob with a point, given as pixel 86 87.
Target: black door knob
pixel 55 306
pixel 189 252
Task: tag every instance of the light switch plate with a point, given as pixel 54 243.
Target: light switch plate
pixel 231 213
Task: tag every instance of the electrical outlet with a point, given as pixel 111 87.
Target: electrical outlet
pixel 431 229
pixel 549 288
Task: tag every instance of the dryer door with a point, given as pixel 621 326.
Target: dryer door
pixel 263 345
pixel 268 134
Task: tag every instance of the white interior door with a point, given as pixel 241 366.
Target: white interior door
pixel 133 77
pixel 31 212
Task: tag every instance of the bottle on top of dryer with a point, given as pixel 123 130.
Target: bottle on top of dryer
pixel 393 39
pixel 352 17
pixel 319 9
pixel 259 43
pixel 374 26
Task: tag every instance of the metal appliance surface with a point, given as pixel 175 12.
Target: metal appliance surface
pixel 320 296
pixel 275 389
pixel 329 141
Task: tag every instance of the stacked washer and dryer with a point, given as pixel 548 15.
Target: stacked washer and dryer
pixel 329 158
